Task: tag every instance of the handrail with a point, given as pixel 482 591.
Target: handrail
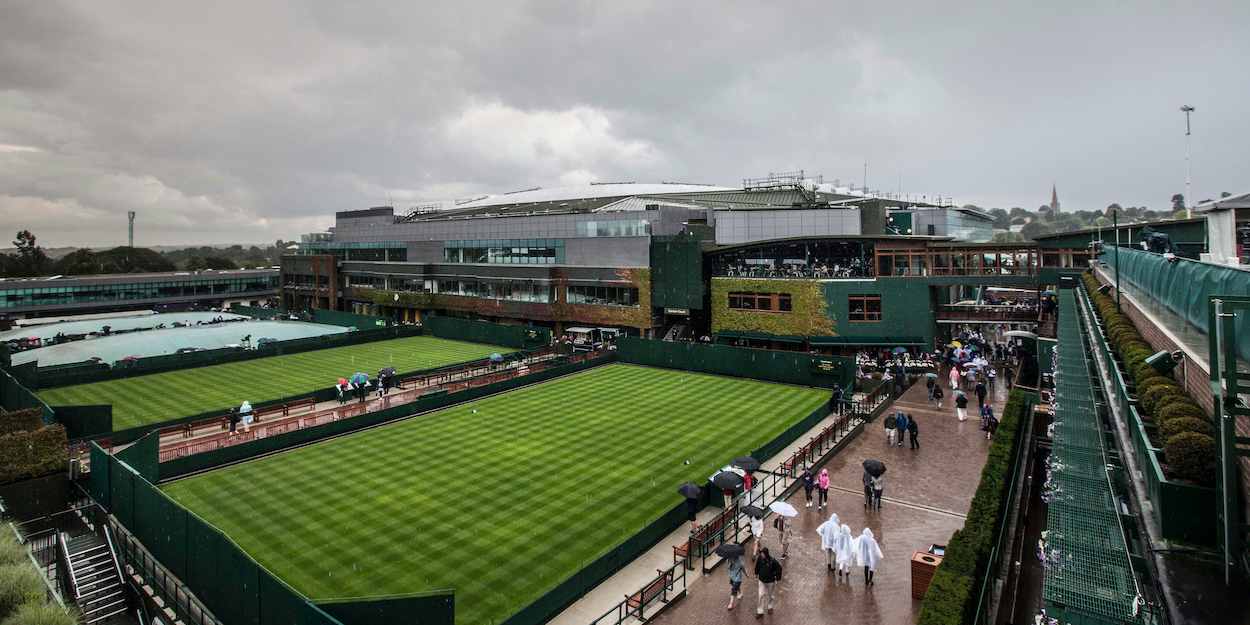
pixel 108 537
pixel 622 610
pixel 69 565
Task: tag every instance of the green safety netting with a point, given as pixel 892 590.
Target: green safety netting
pixel 1088 576
pixel 128 321
pixel 170 340
pixel 1184 285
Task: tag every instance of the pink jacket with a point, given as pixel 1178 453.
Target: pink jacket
pixel 823 480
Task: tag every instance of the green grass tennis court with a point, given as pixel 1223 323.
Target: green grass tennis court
pixel 501 505
pixel 162 396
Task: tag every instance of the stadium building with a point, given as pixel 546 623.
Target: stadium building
pixel 785 262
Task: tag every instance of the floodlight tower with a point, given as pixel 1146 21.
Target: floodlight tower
pixel 130 215
pixel 1189 200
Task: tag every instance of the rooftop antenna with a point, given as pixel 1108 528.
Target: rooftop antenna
pixel 1189 199
pixel 130 215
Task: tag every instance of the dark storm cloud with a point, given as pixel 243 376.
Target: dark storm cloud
pixel 247 122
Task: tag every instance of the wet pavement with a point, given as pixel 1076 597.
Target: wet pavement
pixel 927 492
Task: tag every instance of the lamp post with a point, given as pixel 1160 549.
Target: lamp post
pixel 1189 200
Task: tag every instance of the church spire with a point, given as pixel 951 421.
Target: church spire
pixel 1054 199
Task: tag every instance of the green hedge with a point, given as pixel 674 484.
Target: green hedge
pixel 23 592
pixel 21 420
pixel 1189 449
pixel 1172 427
pixel 955 590
pixel 33 453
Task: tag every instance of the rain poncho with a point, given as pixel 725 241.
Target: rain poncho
pixel 867 552
pixel 757 527
pixel 844 547
pixel 245 408
pixel 829 531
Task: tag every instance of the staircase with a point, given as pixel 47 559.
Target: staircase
pixel 676 333
pixel 94 579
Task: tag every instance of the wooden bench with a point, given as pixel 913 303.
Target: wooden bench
pixel 657 588
pixel 702 534
pixel 285 408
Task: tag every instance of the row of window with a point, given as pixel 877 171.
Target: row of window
pixel 116 292
pixel 616 228
pixel 603 295
pixel 775 302
pixel 513 291
pixel 510 251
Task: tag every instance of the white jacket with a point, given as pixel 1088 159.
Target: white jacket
pixel 844 547
pixel 867 551
pixel 829 531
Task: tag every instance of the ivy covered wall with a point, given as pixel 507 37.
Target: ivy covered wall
pixel 906 308
pixel 809 315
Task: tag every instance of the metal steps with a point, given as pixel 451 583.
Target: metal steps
pixel 94 577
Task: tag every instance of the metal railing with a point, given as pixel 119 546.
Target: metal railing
pixel 775 483
pixel 669 585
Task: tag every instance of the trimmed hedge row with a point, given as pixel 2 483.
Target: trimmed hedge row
pixel 21 420
pixel 32 453
pixel 1185 428
pixel 23 593
pixel 954 592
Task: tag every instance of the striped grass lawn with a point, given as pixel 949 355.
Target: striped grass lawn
pixel 501 505
pixel 163 396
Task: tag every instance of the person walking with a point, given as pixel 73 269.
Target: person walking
pixel 990 375
pixel 891 422
pixel 971 378
pixel 981 393
pixel 844 550
pixel 901 428
pixel 757 531
pixel 692 510
pixel 809 484
pixel 1008 376
pixel 867 490
pixel 938 395
pixel 748 486
pixel 961 406
pixel 784 533
pixel 954 376
pixel 245 415
pixel 822 487
pixel 768 571
pixel 913 429
pixel 835 399
pixel 867 554
pixel 737 570
pixel 878 487
pixel 234 421
pixel 362 391
pixel 829 532
pixel 929 384
pixel 991 425
pixel 341 390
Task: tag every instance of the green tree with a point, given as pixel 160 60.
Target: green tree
pixel 1224 194
pixel 1019 213
pixel 1033 228
pixel 30 259
pixel 85 262
pixel 137 260
pixel 1007 236
pixel 217 262
pixel 195 263
pixel 1002 220
pixel 1178 202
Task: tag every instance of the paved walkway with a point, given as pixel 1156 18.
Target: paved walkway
pixel 927 492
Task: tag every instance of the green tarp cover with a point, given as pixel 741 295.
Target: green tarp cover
pixel 731 334
pixel 758 336
pixel 867 340
pixel 789 338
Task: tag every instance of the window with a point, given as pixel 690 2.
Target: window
pixel 864 308
pixel 771 302
pixel 603 295
pixel 505 251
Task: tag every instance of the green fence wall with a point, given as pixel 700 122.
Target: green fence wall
pixel 437 608
pixel 88 373
pixel 740 362
pixel 82 422
pixel 1184 286
pixel 255 311
pixel 347 320
pixel 425 403
pixel 519 337
pixel 16 396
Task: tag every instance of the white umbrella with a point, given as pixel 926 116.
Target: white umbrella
pixel 783 508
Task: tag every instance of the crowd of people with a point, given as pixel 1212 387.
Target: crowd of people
pixel 846 268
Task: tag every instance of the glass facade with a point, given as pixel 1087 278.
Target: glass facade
pixel 603 295
pixel 510 251
pixel 394 251
pixel 510 290
pixel 800 259
pixel 83 294
pixel 616 228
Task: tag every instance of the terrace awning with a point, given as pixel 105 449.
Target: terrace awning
pixel 826 340
pixel 757 336
pixel 906 340
pixel 868 340
pixel 788 338
pixel 730 334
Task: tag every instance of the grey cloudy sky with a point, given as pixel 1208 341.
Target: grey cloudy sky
pixel 246 122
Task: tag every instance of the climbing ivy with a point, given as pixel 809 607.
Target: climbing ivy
pixel 809 315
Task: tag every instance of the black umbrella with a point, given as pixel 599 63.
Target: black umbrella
pixel 730 550
pixel 387 371
pixel 874 467
pixel 746 463
pixel 753 512
pixel 727 480
pixel 690 490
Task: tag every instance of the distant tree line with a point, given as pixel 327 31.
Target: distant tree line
pixel 30 260
pixel 1045 221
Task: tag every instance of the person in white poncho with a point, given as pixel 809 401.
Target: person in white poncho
pixel 829 532
pixel 867 554
pixel 844 547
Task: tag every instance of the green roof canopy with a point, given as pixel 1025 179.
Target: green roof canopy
pixel 827 340
pixel 789 338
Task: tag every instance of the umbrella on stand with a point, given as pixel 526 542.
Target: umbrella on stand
pixel 753 512
pixel 730 550
pixel 727 480
pixel 874 467
pixel 359 378
pixel 746 463
pixel 690 490
pixel 785 509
